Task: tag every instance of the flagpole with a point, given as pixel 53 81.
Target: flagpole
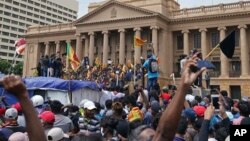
pixel 212 51
pixel 13 63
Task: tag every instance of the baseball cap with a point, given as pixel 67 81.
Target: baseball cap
pixel 199 110
pixel 17 106
pixel 56 134
pixel 19 136
pixel 155 106
pixel 47 116
pixel 2 111
pixel 11 113
pixel 189 113
pixel 81 105
pixel 89 105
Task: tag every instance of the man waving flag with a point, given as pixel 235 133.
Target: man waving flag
pixel 74 61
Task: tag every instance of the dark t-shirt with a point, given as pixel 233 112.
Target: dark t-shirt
pixel 17 128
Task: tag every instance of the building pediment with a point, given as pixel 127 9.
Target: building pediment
pixel 114 10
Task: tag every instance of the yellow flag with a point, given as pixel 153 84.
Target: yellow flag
pixel 139 42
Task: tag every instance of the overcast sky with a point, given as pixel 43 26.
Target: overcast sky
pixel 83 4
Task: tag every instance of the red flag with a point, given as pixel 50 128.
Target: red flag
pixel 20 45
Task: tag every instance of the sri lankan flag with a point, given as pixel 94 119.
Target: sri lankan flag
pixel 74 61
pixel 139 42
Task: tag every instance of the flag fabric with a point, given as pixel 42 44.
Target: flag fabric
pixel 20 45
pixel 74 61
pixel 227 46
pixel 139 42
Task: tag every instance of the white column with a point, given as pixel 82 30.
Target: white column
pixel 57 46
pixel 186 42
pixel 105 47
pixel 122 47
pixel 244 51
pixel 79 46
pixel 204 49
pixel 91 48
pixel 155 39
pixel 137 50
pixel 46 48
pixel 224 61
pixel 86 45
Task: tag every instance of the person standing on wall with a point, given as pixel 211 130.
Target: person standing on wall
pixel 152 66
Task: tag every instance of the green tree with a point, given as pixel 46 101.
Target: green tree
pixel 4 66
pixel 18 69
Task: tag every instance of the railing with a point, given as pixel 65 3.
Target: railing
pixel 215 9
pixel 234 74
pixel 48 28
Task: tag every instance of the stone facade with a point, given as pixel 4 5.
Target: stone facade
pixel 107 32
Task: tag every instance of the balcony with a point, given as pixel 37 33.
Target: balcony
pixel 234 73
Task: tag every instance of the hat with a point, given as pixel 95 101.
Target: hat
pixel 165 88
pixel 155 106
pixel 189 113
pixel 56 134
pixel 2 111
pixel 47 116
pixel 19 136
pixel 189 97
pixel 89 105
pixel 81 105
pixel 11 113
pixel 17 106
pixel 199 110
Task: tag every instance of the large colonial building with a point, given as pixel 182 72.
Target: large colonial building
pixel 107 32
pixel 17 15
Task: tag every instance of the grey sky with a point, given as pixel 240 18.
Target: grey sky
pixel 83 4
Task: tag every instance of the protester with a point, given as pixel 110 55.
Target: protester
pixel 47 120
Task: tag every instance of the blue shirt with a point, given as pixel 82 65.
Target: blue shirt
pixel 146 65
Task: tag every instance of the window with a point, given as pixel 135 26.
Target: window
pixel 13 35
pixel 30 8
pixel 15 16
pixel 6 27
pixel 3 54
pixel 37 10
pixel 215 39
pixel 6 20
pixel 22 11
pixel 9 1
pixel 29 13
pixel 12 48
pixel 5 40
pixel 5 33
pixel 7 7
pixel 13 28
pixel 7 13
pixel 179 42
pixel 15 9
pixel 23 5
pixel 21 18
pixel 16 3
pixel 197 40
pixel 15 22
pixel 4 47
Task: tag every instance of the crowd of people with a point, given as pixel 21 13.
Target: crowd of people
pixel 155 114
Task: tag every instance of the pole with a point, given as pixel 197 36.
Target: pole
pixel 13 63
pixel 211 51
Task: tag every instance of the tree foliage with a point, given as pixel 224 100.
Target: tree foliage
pixel 18 69
pixel 4 66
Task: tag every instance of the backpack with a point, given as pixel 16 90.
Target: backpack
pixel 153 66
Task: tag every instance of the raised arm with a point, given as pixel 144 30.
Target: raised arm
pixel 169 121
pixel 14 85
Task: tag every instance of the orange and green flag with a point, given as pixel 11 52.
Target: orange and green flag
pixel 74 61
pixel 139 42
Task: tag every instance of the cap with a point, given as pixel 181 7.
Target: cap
pixel 19 136
pixel 165 88
pixel 11 113
pixel 189 113
pixel 89 105
pixel 2 111
pixel 81 105
pixel 199 110
pixel 189 97
pixel 17 106
pixel 47 116
pixel 155 106
pixel 37 100
pixel 56 134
